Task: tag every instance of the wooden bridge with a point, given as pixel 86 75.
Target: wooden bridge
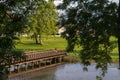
pixel 35 60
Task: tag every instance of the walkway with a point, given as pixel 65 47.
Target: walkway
pixel 35 60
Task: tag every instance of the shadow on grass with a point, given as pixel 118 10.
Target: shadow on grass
pixel 29 43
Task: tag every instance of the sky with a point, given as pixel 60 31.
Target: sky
pixel 57 2
pixel 60 1
pixel 116 0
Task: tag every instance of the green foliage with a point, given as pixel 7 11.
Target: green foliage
pixel 13 15
pixel 90 24
pixel 13 18
pixel 43 22
pixel 7 52
pixel 72 57
pixel 4 42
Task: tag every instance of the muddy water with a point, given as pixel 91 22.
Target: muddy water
pixel 71 71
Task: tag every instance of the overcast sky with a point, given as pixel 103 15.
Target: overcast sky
pixel 116 0
pixel 60 1
pixel 57 2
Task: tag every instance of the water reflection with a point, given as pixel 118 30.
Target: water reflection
pixel 73 72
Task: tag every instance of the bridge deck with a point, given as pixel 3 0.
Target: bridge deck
pixel 33 55
pixel 36 60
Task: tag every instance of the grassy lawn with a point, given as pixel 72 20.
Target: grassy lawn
pixel 51 42
pixel 114 52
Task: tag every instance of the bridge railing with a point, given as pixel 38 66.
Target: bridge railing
pixel 39 55
pixel 34 55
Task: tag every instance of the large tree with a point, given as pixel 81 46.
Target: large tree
pixel 13 17
pixel 90 24
pixel 43 22
pixel 119 32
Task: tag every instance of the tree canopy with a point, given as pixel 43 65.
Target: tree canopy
pixel 15 15
pixel 90 24
pixel 13 18
pixel 43 22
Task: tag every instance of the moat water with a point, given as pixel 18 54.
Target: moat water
pixel 71 71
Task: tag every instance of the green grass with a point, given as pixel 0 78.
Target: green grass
pixel 114 53
pixel 49 43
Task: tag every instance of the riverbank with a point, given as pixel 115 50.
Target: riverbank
pixel 59 43
pixel 74 57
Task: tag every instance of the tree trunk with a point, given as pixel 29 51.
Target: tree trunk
pixel 119 32
pixel 36 39
pixel 40 40
pixel 119 50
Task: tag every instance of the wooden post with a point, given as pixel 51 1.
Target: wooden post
pixel 32 65
pixel 36 64
pixel 50 61
pixel 18 70
pixel 12 59
pixel 26 66
pixel 39 63
pixel 45 62
pixel 9 69
pixel 56 60
pixel 60 59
